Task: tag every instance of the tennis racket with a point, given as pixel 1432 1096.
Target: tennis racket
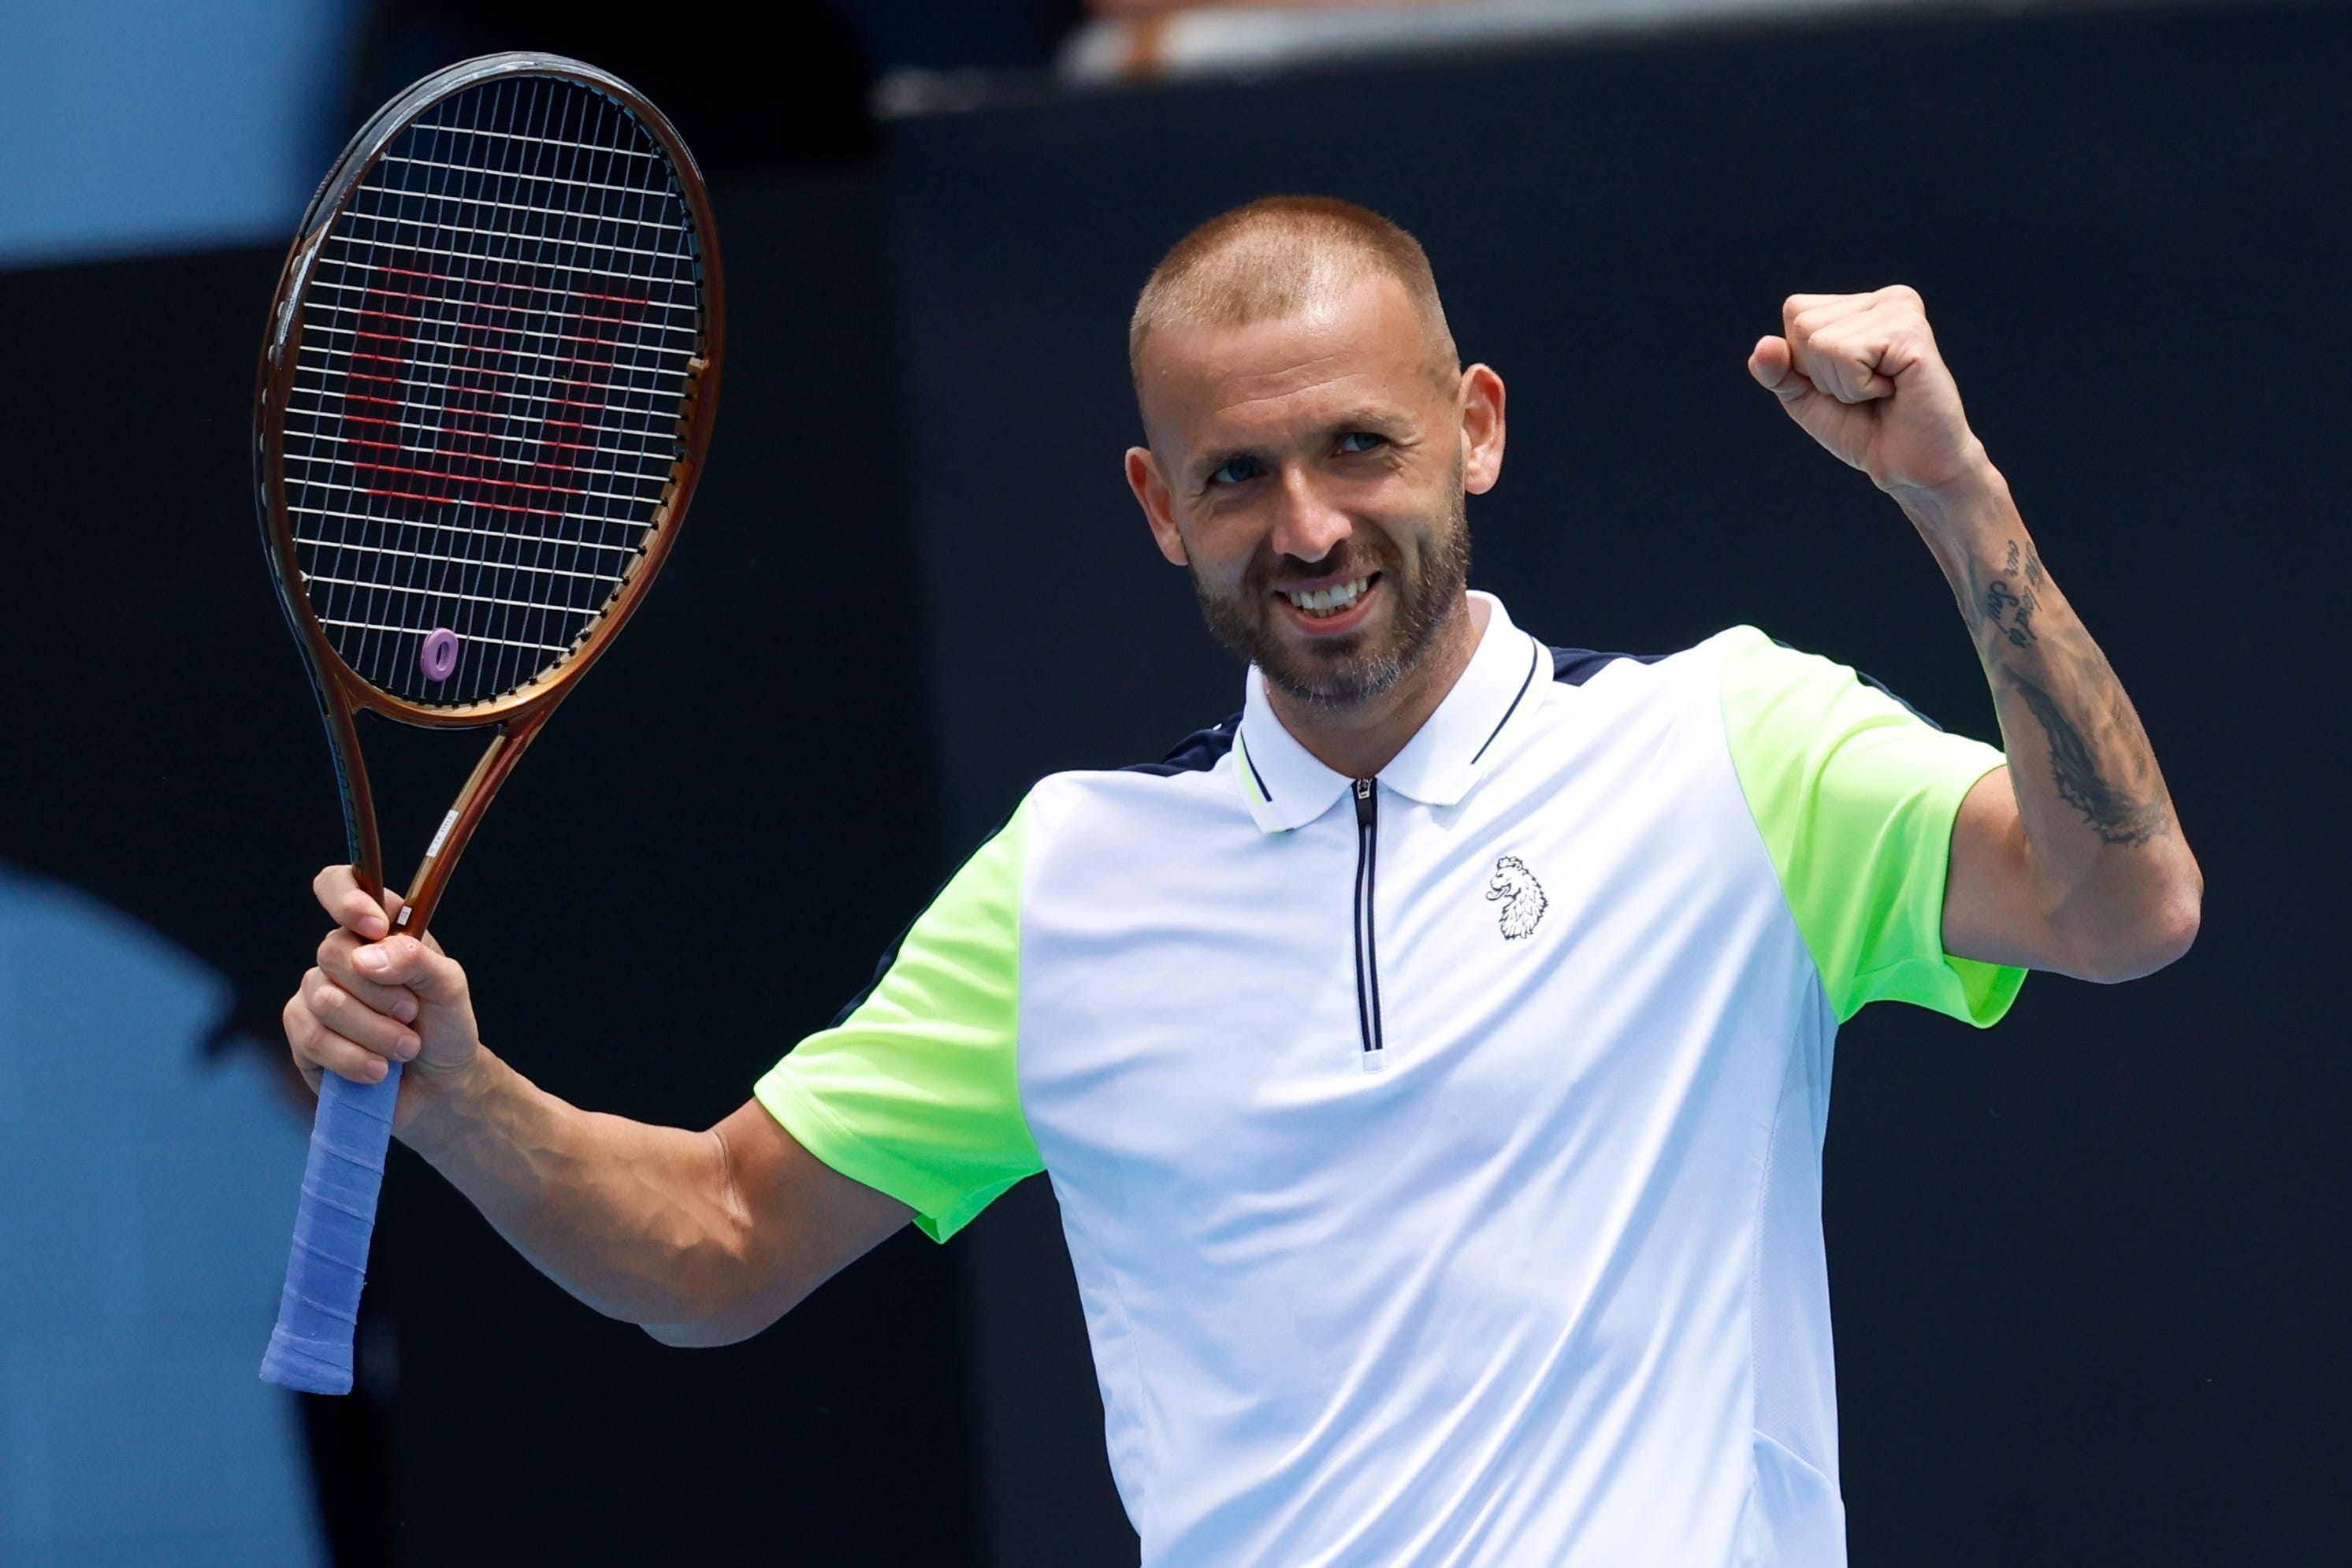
pixel 486 391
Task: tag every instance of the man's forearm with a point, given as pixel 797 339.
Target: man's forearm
pixel 637 1221
pixel 2096 816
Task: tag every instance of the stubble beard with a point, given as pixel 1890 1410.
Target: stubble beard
pixel 1349 674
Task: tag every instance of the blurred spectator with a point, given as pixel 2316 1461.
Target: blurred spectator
pixel 1157 8
pixel 1130 40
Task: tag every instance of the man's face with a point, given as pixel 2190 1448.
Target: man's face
pixel 1310 472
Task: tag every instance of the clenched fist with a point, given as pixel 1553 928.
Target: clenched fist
pixel 373 999
pixel 1862 374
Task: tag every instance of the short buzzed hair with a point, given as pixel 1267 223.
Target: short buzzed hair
pixel 1273 257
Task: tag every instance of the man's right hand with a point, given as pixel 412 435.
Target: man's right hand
pixel 375 998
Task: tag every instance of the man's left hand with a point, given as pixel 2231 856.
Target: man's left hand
pixel 1862 374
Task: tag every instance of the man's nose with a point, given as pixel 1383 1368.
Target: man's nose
pixel 1309 526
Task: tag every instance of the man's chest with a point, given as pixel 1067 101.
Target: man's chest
pixel 1573 957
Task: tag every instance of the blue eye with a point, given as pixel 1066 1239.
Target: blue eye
pixel 1237 471
pixel 1361 441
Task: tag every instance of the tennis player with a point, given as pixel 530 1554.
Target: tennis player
pixel 1432 1061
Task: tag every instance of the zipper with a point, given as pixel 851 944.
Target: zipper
pixel 1368 967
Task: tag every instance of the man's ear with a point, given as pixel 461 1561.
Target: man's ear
pixel 1481 429
pixel 1152 495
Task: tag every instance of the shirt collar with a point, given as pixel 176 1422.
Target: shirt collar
pixel 1286 787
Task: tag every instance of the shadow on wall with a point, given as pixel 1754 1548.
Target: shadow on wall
pixel 147 1188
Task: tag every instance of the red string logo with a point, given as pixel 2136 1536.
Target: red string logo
pixel 485 392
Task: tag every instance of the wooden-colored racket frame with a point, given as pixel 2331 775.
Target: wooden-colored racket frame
pixel 519 714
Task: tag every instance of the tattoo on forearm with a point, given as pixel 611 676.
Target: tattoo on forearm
pixel 2003 601
pixel 2108 772
pixel 2113 812
pixel 2009 608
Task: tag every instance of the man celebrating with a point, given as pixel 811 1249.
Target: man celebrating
pixel 1432 1062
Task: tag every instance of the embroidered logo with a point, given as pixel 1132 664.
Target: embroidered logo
pixel 1522 897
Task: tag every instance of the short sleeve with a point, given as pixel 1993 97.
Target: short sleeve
pixel 1855 796
pixel 914 1092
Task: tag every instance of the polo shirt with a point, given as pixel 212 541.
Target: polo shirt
pixel 1439 1153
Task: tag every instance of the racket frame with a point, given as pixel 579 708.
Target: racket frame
pixel 518 714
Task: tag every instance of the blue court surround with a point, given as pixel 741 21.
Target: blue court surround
pixel 146 1188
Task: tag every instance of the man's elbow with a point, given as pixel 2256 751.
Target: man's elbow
pixel 2159 935
pixel 724 1323
pixel 732 1309
pixel 703 1334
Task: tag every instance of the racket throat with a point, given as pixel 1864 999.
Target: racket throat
pixel 431 852
pixel 433 873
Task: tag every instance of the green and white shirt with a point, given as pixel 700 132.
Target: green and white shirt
pixel 1440 1156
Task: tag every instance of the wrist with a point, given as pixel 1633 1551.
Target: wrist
pixel 437 1104
pixel 1968 513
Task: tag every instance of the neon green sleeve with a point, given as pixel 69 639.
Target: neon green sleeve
pixel 1855 797
pixel 914 1093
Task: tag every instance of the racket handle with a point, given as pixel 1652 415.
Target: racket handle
pixel 310 1349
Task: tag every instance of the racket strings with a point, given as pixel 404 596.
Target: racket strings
pixel 498 338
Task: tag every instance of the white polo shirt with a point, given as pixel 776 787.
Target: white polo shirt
pixel 1440 1154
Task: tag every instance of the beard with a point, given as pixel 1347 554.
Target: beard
pixel 1350 670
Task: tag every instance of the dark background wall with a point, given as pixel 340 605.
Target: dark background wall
pixel 2086 1266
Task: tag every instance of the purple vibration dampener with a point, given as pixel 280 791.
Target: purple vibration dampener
pixel 438 658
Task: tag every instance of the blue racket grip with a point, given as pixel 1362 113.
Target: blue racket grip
pixel 310 1349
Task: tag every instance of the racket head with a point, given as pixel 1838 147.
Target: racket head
pixel 486 389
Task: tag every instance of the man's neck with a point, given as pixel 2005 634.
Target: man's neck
pixel 1360 741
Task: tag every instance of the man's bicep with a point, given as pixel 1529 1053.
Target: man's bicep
pixel 798 1220
pixel 1997 908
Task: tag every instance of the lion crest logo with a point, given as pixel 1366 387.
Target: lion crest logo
pixel 1522 897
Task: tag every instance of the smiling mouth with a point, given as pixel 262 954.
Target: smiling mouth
pixel 1322 604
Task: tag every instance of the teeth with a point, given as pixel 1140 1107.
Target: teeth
pixel 1329 601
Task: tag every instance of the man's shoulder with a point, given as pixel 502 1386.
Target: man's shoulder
pixel 1197 753
pixel 1748 670
pixel 1580 667
pixel 1186 775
